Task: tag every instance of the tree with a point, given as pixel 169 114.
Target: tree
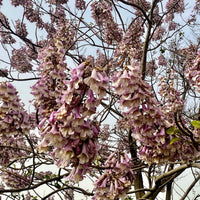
pixel 115 87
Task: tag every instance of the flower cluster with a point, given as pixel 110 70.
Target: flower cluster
pixel 65 104
pixel 147 121
pixel 136 95
pixel 193 73
pixel 117 178
pixel 6 37
pixel 57 19
pixel 20 60
pixel 188 55
pixel 157 19
pixel 21 29
pixel 15 179
pixel 172 26
pixel 144 4
pixel 31 14
pixel 42 175
pixel 158 34
pixel 162 61
pixel 170 148
pixel 48 89
pixel 101 12
pixel 11 148
pixel 80 4
pixel 169 17
pixel 197 6
pixel 170 97
pixel 175 6
pixel 29 196
pixel 13 118
pixel 58 1
pixel 131 43
pixel 151 67
pixel 14 123
pixel 69 130
pixel 19 2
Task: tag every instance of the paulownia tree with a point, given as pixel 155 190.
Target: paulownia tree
pixel 115 99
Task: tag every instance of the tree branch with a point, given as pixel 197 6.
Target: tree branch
pixel 165 178
pixel 190 187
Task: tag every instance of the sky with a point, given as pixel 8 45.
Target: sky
pixel 24 92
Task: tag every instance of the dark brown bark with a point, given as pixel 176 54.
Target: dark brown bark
pixel 138 182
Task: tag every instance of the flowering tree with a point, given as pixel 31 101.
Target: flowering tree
pixel 115 97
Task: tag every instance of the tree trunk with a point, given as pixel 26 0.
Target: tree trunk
pixel 169 185
pixel 138 182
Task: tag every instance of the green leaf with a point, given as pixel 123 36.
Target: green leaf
pixel 47 176
pixel 172 130
pixel 174 140
pixel 57 185
pixel 128 198
pixel 162 50
pixel 196 123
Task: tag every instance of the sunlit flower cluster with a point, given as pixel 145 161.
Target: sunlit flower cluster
pixel 48 89
pixel 146 119
pixel 117 178
pixel 70 131
pixel 143 115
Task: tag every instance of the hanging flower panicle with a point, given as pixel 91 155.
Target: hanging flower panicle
pixel 148 122
pixel 102 14
pixel 117 178
pixel 15 179
pixel 70 131
pixel 13 118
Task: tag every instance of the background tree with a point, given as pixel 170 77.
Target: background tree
pixel 115 98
